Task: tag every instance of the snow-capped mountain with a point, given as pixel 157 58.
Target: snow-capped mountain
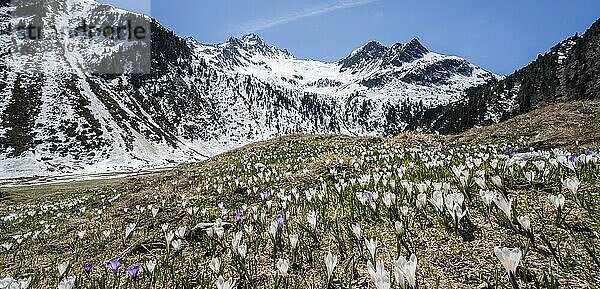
pixel 404 72
pixel 61 113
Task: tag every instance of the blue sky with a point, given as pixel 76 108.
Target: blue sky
pixel 500 36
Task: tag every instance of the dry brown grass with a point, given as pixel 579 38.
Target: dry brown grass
pixel 566 125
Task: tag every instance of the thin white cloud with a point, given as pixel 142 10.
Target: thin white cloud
pixel 263 24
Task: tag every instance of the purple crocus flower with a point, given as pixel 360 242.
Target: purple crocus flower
pixel 238 216
pixel 114 265
pixel 133 271
pixel 573 158
pixel 369 195
pixel 280 221
pixel 87 268
pixel 266 195
pixel 591 152
pixel 78 213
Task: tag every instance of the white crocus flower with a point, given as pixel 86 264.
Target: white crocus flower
pixel 408 269
pixel 388 198
pixel 371 247
pixel 421 200
pixel 129 229
pixel 177 244
pixel 293 241
pixel 218 229
pixel 572 185
pixel 399 276
pixel 525 222
pixel 62 269
pixel 330 263
pixel 150 266
pixel 273 228
pixel 558 201
pixel 497 181
pixel 437 200
pixel 68 283
pixel 248 228
pixel 404 211
pixel 282 266
pixel 488 197
pixel 215 265
pixel 7 246
pixel 504 205
pixel 236 240
pixel 180 232
pixel 169 238
pixel 242 250
pixel 356 231
pixel 379 275
pixel 192 211
pixel 222 284
pixel 452 200
pixel 530 176
pixel 154 212
pixel 458 214
pixel 399 226
pixel 510 259
pixel 480 181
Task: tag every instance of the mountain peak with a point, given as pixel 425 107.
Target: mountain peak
pixel 415 47
pixel 252 39
pixel 254 45
pixel 404 53
pixel 372 50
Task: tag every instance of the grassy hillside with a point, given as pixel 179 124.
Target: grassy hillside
pixel 572 125
pixel 414 194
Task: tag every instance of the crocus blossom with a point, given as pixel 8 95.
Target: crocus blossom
pixel 87 268
pixel 510 258
pixel 222 284
pixel 330 263
pixel 504 205
pixel 408 268
pixel 215 265
pixel 132 271
pixel 558 201
pixel 371 247
pixel 380 276
pixel 67 283
pixel 525 222
pixel 62 269
pixel 282 266
pixel 114 265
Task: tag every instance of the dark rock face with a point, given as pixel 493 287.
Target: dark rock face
pixel 439 72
